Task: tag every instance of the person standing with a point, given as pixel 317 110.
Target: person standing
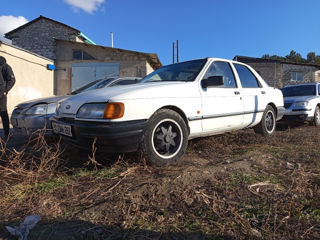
pixel 7 80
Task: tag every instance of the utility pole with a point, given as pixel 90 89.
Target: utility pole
pixel 177 51
pixel 112 39
pixel 173 52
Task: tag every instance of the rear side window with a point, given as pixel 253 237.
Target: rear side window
pixel 247 79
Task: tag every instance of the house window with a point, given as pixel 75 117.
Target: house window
pixel 296 76
pixel 81 55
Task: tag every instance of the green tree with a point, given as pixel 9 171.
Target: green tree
pixel 295 57
pixel 311 57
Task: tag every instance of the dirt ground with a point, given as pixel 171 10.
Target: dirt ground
pixel 238 185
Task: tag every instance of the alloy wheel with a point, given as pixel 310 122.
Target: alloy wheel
pixel 167 138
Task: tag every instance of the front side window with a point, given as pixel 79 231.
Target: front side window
pixel 219 68
pixel 296 76
pixel 247 79
pixel 185 71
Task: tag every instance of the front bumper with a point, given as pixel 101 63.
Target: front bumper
pixel 116 137
pixel 280 113
pixel 30 124
pixel 298 114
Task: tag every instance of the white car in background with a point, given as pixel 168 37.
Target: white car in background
pixel 169 106
pixel 302 103
pixel 31 116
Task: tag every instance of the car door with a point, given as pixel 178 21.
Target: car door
pixel 253 93
pixel 222 106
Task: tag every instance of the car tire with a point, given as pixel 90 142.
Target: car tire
pixel 316 117
pixel 267 126
pixel 165 138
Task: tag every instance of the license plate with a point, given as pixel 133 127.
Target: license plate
pixel 62 129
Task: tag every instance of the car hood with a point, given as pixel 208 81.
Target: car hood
pixel 298 99
pixel 129 92
pixel 46 100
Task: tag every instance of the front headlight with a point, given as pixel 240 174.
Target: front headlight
pixel 52 108
pixel 40 109
pixel 111 110
pixel 301 104
pixel 92 110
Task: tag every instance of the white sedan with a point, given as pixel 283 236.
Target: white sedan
pixel 302 103
pixel 169 106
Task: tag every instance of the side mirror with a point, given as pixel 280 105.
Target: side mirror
pixel 213 81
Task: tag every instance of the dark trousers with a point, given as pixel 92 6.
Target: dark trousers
pixel 4 114
pixel 5 122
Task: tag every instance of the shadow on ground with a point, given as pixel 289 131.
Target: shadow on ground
pixel 86 230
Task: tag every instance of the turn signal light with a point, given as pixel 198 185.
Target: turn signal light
pixel 113 110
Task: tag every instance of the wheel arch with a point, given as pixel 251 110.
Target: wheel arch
pixel 274 108
pixel 180 112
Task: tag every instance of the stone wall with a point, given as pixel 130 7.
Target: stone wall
pixel 278 74
pixel 39 37
pixel 308 73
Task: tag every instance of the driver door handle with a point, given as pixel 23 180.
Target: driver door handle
pixel 236 92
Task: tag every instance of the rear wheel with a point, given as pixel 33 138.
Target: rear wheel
pixel 316 118
pixel 165 139
pixel 267 126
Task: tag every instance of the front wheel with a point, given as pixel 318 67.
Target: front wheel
pixel 316 118
pixel 267 126
pixel 165 138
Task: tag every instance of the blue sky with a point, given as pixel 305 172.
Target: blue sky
pixel 204 28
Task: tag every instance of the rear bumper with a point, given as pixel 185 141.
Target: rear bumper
pixel 110 137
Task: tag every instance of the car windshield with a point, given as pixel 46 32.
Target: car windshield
pixel 93 85
pixel 305 90
pixel 185 71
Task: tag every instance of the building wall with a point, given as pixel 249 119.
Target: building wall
pixel 278 74
pixel 317 76
pixel 131 64
pixel 33 80
pixel 149 69
pixel 39 37
pixel 308 73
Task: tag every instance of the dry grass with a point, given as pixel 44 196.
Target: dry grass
pixel 233 186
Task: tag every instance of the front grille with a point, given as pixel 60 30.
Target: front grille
pixel 66 120
pixel 287 105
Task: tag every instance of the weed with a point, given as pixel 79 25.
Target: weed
pixel 51 185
